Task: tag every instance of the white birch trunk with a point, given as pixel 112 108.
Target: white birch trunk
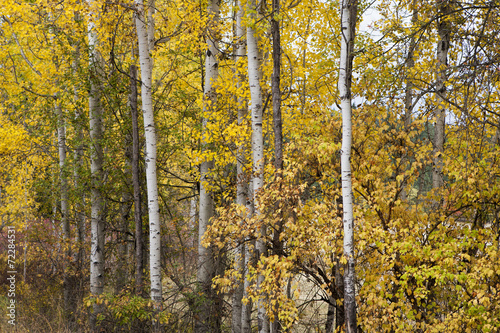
pixel 63 183
pixel 207 321
pixel 193 214
pixel 78 156
pixel 410 63
pixel 254 63
pixel 348 19
pixel 442 62
pixel 240 311
pixel 150 134
pixel 61 141
pixel 96 165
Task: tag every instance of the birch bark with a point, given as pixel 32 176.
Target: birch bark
pixel 78 157
pixel 348 25
pixel 240 309
pixel 443 47
pixel 207 320
pixel 254 63
pixel 63 183
pixel 410 64
pixel 146 62
pixel 96 171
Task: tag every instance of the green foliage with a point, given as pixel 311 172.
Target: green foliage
pixel 126 312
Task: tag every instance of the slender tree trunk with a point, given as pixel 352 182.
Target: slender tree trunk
pixel 79 210
pixel 208 318
pixel 125 207
pixel 278 132
pixel 139 235
pixel 276 92
pixel 443 46
pixel 78 156
pixel 256 108
pixel 410 63
pixel 97 176
pixel 80 219
pixel 150 158
pixel 193 217
pixel 339 308
pixel 241 177
pixel 348 24
pixel 246 309
pixel 63 183
pixel 330 315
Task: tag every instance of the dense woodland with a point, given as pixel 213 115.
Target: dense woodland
pixel 251 165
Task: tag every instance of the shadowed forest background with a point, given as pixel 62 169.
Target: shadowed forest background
pixel 179 166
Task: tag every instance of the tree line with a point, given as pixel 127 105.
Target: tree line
pixel 290 171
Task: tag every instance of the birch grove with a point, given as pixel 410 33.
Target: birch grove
pixel 302 166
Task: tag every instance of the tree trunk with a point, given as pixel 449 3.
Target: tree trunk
pixel 254 63
pixel 136 182
pixel 276 92
pixel 339 308
pixel 348 24
pixel 208 317
pixel 246 309
pixel 410 63
pixel 278 132
pixel 443 46
pixel 63 183
pixel 240 309
pixel 78 154
pixel 125 207
pixel 78 169
pixel 150 155
pixel 79 211
pixel 97 175
pixel 330 315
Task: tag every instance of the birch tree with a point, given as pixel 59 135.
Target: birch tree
pixel 146 41
pixel 256 107
pixel 443 46
pixel 240 311
pixel 207 320
pixel 348 28
pixel 139 242
pixel 277 127
pixel 61 142
pixel 96 169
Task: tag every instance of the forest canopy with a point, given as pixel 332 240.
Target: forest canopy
pixel 250 165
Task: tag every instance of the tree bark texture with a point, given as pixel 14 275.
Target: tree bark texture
pixel 136 183
pixel 275 86
pixel 443 47
pixel 348 24
pixel 63 185
pixel 278 131
pixel 254 63
pixel 238 308
pixel 409 64
pixel 122 273
pixel 150 155
pixel 97 175
pixel 208 316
